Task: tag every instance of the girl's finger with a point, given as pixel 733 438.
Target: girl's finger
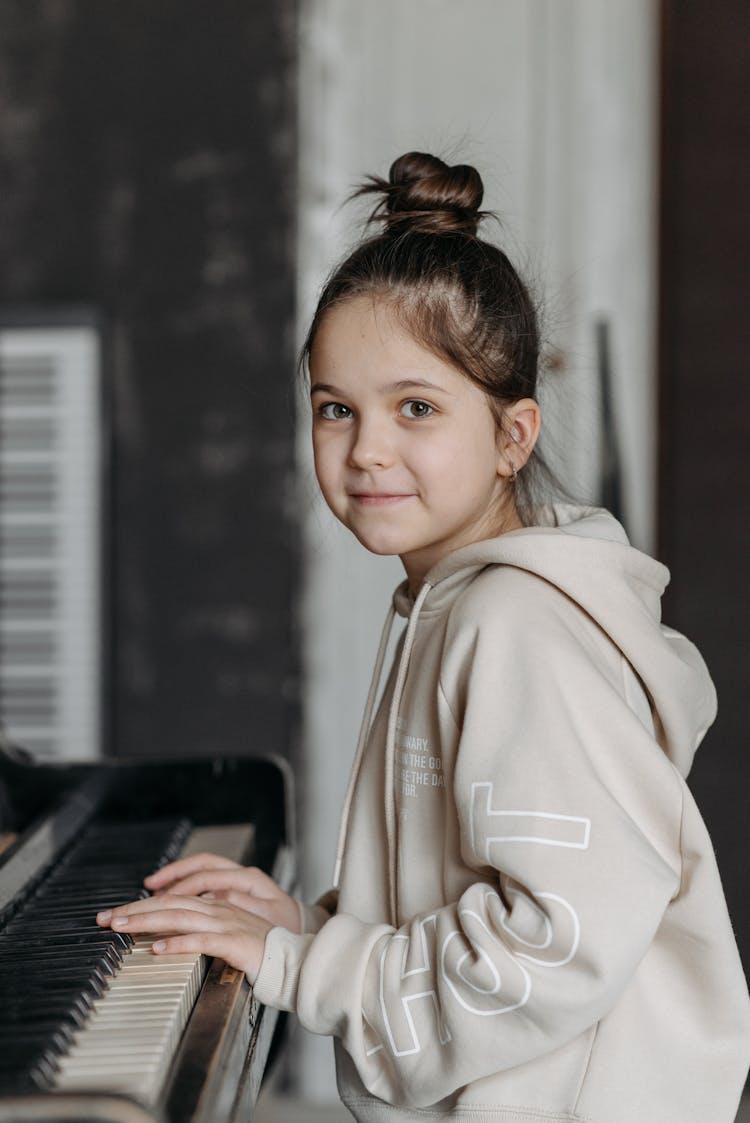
pixel 245 880
pixel 278 911
pixel 208 943
pixel 240 952
pixel 183 867
pixel 166 920
pixel 248 902
pixel 108 917
pixel 259 906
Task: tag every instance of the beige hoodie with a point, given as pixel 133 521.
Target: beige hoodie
pixel 530 923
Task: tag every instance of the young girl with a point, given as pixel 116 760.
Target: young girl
pixel 528 923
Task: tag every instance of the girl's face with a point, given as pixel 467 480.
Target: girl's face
pixel 407 452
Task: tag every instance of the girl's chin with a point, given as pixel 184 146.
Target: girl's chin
pixel 384 545
pixel 382 549
pixel 413 558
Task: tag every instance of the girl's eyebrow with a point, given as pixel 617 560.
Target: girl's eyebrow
pixel 390 388
pixel 414 383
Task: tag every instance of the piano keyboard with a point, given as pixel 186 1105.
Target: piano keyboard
pixel 88 1008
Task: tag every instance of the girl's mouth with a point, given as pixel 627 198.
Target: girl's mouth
pixel 377 499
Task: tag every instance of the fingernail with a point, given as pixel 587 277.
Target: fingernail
pixel 208 897
pixel 103 917
pixel 120 922
pixel 160 945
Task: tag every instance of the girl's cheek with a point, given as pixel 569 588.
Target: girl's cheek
pixel 327 461
pixel 326 481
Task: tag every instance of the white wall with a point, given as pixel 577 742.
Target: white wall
pixel 555 103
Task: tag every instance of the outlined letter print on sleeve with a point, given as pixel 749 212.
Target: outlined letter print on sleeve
pixel 490 827
pixel 407 992
pixel 543 930
pixel 484 982
pixel 481 965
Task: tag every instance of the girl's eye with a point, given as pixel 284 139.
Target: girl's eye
pixel 416 408
pixel 334 411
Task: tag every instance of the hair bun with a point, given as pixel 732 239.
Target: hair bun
pixel 425 194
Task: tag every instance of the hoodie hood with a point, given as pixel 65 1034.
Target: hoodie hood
pixel 584 552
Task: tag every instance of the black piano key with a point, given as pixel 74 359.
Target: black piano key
pixel 17 1038
pixel 49 979
pixel 78 906
pixel 109 958
pixel 32 1071
pixel 35 959
pixel 40 1037
pixel 62 897
pixel 66 926
pixel 78 996
pixel 58 1011
pixel 93 888
pixel 96 937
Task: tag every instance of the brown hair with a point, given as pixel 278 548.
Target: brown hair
pixel 457 295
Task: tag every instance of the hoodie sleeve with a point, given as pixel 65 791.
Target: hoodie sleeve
pixel 569 815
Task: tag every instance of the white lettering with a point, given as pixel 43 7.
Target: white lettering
pixel 480 968
pixel 475 996
pixel 489 827
pixel 414 975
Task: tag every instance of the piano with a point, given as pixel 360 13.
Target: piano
pixel 92 1025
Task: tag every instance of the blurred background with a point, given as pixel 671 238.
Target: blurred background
pixel 171 181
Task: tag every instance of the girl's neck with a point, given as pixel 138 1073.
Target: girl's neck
pixel 416 573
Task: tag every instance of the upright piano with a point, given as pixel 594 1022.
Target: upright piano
pixel 92 1025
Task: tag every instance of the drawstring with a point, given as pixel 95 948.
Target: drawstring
pixel 390 748
pixel 390 745
pixel 364 731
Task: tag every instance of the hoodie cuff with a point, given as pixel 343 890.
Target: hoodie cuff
pixel 278 978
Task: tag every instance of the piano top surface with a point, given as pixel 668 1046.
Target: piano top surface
pixel 224 790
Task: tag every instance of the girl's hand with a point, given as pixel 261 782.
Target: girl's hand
pixel 214 878
pixel 211 927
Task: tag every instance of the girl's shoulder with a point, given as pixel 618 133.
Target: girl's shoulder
pixel 503 593
pixel 512 615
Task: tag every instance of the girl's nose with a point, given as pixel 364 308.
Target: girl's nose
pixel 372 446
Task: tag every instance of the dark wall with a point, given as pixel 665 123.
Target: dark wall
pixel 705 394
pixel 147 155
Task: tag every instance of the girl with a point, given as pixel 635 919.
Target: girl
pixel 528 923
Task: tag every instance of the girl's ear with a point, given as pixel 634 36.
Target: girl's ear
pixel 518 434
